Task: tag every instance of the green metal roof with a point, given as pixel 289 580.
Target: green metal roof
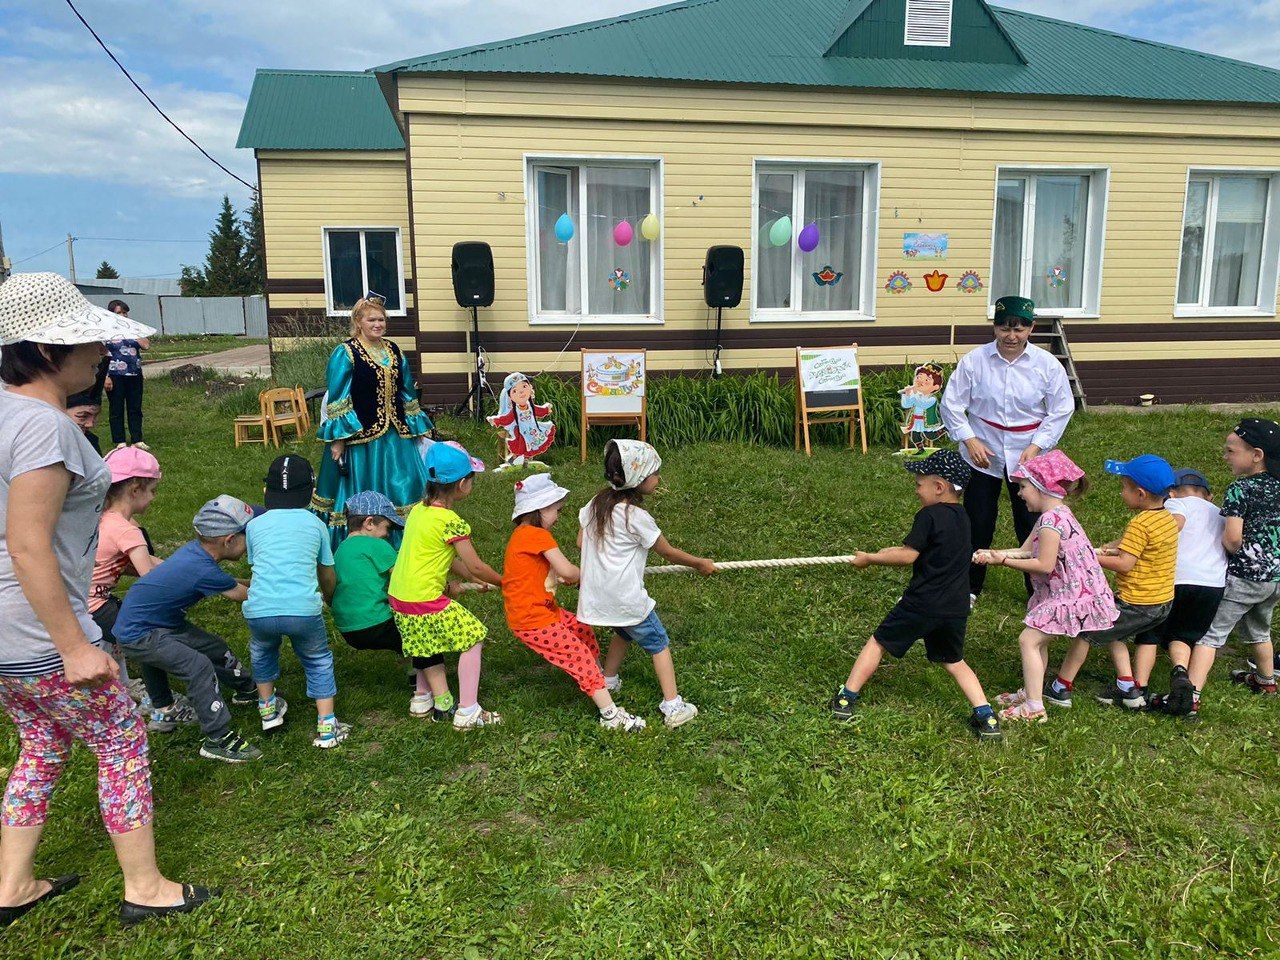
pixel 826 43
pixel 318 110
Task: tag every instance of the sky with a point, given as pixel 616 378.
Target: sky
pixel 81 152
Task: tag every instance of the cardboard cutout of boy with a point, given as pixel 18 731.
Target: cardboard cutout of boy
pixel 922 429
pixel 527 433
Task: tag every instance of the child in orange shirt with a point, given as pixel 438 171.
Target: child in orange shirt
pixel 537 621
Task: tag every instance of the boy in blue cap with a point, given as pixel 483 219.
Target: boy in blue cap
pixel 1144 561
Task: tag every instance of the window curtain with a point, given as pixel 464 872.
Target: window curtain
pixel 383 266
pixel 615 194
pixel 1237 243
pixel 1193 227
pixel 345 276
pixel 1006 272
pixel 833 200
pixel 558 281
pixel 773 264
pixel 1058 242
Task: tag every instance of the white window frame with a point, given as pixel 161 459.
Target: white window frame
pixel 1267 270
pixel 364 266
pixel 1095 240
pixel 539 317
pixel 866 309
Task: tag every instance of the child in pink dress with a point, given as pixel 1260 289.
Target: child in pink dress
pixel 1070 594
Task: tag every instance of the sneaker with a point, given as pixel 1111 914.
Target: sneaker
pixel 1253 664
pixel 841 705
pixel 973 600
pixel 679 715
pixel 230 749
pixel 476 718
pixel 244 698
pixel 621 720
pixel 1181 695
pixel 121 446
pixel 167 719
pixel 1249 679
pixel 1113 696
pixel 422 705
pixel 986 728
pixel 1011 699
pixel 1194 715
pixel 137 689
pixel 444 716
pixel 330 733
pixel 141 446
pixel 1158 703
pixel 1062 699
pixel 1023 711
pixel 613 684
pixel 271 719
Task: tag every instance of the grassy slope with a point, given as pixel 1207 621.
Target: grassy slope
pixel 762 830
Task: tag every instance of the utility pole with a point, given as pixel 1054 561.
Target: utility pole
pixel 71 257
pixel 5 266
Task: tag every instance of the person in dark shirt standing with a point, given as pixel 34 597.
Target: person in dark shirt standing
pixel 935 605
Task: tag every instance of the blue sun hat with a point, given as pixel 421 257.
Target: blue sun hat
pixel 448 463
pixel 1148 471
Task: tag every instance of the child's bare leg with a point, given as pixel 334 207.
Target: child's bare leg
pixel 665 668
pixel 602 699
pixel 1179 653
pixel 1201 663
pixel 1264 655
pixel 868 661
pixel 1120 657
pixel 324 707
pixel 1034 646
pixel 437 680
pixel 617 651
pixel 970 686
pixel 1077 653
pixel 1144 661
pixel 266 691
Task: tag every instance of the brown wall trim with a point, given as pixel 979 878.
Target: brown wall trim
pixel 296 285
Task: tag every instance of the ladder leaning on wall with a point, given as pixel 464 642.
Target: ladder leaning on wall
pixel 1054 339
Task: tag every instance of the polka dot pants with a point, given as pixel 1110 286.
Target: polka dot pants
pixel 571 646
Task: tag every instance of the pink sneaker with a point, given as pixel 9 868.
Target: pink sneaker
pixel 1012 699
pixel 1024 711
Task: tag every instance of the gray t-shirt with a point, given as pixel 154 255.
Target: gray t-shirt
pixel 34 434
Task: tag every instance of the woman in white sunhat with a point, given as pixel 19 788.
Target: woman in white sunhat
pixel 56 683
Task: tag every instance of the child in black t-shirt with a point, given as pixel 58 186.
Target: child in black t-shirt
pixel 935 605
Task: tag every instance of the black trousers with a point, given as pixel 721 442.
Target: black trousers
pixel 982 504
pixel 385 636
pixel 124 396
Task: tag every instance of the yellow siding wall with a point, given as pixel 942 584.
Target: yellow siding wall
pixel 468 139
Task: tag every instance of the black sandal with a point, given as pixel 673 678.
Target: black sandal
pixel 57 887
pixel 192 897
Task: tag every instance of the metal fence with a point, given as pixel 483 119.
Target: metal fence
pixel 178 316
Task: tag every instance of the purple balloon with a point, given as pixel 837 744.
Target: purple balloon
pixel 809 238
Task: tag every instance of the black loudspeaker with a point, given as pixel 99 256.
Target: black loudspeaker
pixel 722 277
pixel 473 274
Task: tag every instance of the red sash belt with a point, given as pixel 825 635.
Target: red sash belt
pixel 1026 428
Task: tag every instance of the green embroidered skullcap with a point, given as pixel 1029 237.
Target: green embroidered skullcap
pixel 1015 308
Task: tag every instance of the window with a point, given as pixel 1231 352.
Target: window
pixel 592 277
pixel 928 23
pixel 790 283
pixel 1047 239
pixel 1228 262
pixel 360 259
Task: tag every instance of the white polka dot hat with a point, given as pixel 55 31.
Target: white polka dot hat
pixel 47 308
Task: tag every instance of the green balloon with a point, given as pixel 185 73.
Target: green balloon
pixel 780 232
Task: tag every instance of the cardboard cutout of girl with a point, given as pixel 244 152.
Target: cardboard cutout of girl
pixel 519 417
pixel 922 428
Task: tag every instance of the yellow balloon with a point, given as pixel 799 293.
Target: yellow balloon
pixel 650 228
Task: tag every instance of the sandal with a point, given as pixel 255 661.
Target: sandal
pixel 1012 699
pixel 57 887
pixel 192 897
pixel 1022 711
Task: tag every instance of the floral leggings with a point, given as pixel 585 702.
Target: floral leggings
pixel 571 646
pixel 50 714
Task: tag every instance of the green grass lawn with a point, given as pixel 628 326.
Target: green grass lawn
pixel 171 348
pixel 763 829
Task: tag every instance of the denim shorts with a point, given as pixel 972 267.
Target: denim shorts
pixel 1246 607
pixel 649 633
pixel 1135 618
pixel 309 638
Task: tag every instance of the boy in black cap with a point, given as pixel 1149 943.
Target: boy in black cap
pixel 935 605
pixel 1251 535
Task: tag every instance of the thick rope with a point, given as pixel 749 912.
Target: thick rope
pixel 725 565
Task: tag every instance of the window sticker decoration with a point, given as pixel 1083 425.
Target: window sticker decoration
pixel 969 282
pixel 1057 277
pixel 935 281
pixel 827 277
pixel 925 246
pixel 898 283
pixel 619 280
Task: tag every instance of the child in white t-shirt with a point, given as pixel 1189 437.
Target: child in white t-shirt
pixel 1199 579
pixel 616 538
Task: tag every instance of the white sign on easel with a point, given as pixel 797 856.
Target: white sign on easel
pixel 613 390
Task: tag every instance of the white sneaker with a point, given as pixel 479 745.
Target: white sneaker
pixel 273 718
pixel 476 718
pixel 613 684
pixel 167 719
pixel 973 600
pixel 679 715
pixel 421 705
pixel 621 720
pixel 331 734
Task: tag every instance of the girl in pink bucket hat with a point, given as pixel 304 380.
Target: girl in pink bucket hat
pixel 1070 592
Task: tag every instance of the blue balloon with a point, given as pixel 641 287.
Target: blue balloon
pixel 564 228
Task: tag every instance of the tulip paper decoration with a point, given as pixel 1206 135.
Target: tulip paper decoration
pixel 564 228
pixel 780 232
pixel 809 236
pixel 650 228
pixel 623 234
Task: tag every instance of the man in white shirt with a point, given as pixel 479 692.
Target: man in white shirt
pixel 1006 402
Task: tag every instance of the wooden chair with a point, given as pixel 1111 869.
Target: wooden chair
pixel 282 407
pixel 244 425
pixel 305 407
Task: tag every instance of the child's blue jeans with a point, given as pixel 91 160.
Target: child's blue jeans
pixel 310 640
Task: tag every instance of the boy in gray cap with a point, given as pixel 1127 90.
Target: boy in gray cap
pixel 153 628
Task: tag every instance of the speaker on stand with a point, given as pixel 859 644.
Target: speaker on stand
pixel 722 287
pixel 472 267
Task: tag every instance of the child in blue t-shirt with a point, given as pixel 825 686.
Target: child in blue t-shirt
pixel 292 562
pixel 153 629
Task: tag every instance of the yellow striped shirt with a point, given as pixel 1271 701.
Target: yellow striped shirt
pixel 1152 537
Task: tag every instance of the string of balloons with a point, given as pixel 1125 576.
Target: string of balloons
pixel 623 232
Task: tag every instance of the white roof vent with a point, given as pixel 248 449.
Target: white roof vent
pixel 928 23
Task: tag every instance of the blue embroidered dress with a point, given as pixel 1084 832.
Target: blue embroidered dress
pixel 373 407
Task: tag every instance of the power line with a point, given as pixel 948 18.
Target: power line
pixel 40 254
pixel 141 240
pixel 155 105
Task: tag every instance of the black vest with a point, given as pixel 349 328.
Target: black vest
pixel 376 393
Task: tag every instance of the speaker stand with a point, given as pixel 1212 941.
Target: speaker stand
pixel 716 370
pixel 475 398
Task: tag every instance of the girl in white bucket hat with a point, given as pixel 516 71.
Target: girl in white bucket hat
pixel 56 682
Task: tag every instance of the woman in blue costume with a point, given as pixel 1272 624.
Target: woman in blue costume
pixel 372 421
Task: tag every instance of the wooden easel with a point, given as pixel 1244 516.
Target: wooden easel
pixel 819 407
pixel 612 419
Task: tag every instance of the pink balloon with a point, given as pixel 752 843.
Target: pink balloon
pixel 808 238
pixel 623 234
